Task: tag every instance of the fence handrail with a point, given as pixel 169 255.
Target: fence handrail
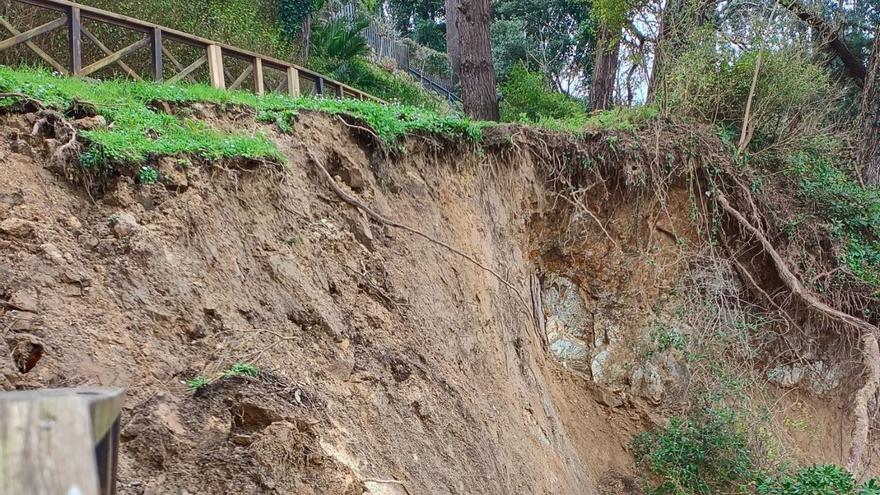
pixel 400 53
pixel 72 10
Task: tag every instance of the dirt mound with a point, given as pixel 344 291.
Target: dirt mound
pixel 390 364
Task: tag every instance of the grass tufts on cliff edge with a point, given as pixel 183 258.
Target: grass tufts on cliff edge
pixel 139 129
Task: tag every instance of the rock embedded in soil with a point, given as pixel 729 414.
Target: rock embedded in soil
pixel 22 147
pixel 90 123
pixel 17 227
pixel 125 224
pixel 52 252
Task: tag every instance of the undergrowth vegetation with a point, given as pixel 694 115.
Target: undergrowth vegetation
pixel 527 99
pixel 850 211
pixel 710 452
pixel 390 86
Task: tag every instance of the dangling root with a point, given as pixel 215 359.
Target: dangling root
pixel 387 221
pixel 63 130
pixel 863 399
pixel 870 351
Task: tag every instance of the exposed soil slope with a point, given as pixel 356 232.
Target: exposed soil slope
pixel 389 364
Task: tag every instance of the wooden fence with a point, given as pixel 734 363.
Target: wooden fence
pixel 228 67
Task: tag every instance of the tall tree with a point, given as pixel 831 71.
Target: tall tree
pixel 453 40
pixel 554 37
pixel 477 72
pixel 832 40
pixel 605 69
pixel 869 119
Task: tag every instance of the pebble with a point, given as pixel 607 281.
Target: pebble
pixel 74 223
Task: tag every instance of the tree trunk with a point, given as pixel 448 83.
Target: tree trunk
pixel 477 72
pixel 869 119
pixel 305 39
pixel 453 40
pixel 667 24
pixel 605 70
pixel 678 21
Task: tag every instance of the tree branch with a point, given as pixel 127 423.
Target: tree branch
pixel 835 44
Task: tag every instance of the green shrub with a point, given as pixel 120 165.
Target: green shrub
pixel 526 97
pixel 709 452
pixel 336 42
pixel 700 455
pixel 850 210
pixel 792 97
pixel 827 479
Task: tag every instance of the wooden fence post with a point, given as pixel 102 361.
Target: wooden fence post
pixel 339 91
pixel 158 69
pixel 74 31
pixel 59 441
pixel 215 66
pixel 319 86
pixel 292 82
pixel 259 89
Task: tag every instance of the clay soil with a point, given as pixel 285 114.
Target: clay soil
pixel 388 364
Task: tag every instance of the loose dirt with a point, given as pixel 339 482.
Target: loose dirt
pixel 389 365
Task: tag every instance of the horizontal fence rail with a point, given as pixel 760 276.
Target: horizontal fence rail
pixel 227 67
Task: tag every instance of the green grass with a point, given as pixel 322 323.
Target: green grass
pixel 140 131
pixel 620 119
pixel 241 369
pixel 197 383
pixel 238 369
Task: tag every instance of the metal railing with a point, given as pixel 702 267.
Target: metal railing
pixel 165 66
pixel 392 47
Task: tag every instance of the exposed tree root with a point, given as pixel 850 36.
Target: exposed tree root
pixel 870 352
pixel 387 221
pixel 864 397
pixel 63 130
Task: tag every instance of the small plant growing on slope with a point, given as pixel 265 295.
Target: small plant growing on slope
pixel 238 369
pixel 241 369
pixel 197 383
pixel 708 453
pixel 702 454
pixel 826 479
pixel 148 175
